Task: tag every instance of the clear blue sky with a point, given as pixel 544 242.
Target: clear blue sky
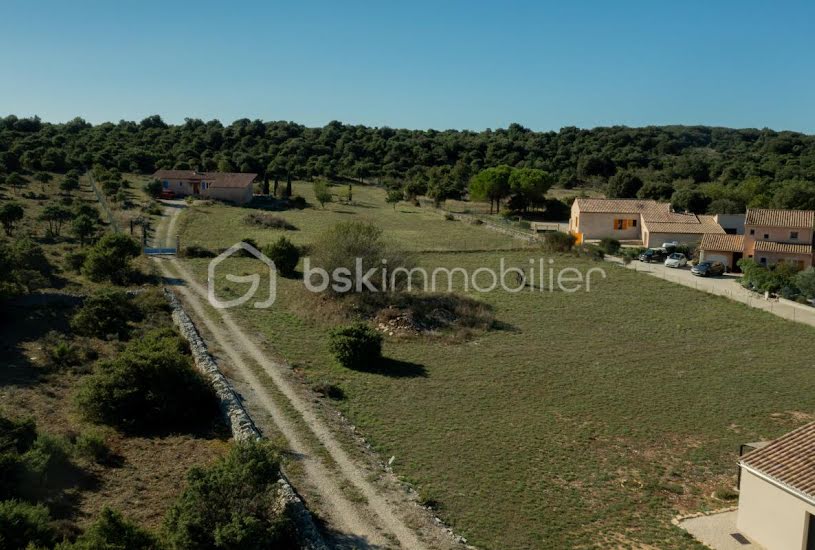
pixel 417 64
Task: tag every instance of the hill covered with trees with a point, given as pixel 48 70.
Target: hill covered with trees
pixel 729 168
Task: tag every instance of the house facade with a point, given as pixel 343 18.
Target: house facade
pixel 227 186
pixel 643 221
pixel 777 492
pixel 773 236
pixel 770 237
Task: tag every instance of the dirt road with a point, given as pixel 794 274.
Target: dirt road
pixel 363 508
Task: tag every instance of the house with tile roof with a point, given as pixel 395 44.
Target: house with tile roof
pixel 773 236
pixel 777 492
pixel 648 222
pixel 227 186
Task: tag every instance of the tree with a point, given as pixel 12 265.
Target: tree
pixel 394 196
pixel 16 181
pixel 69 185
pixel 55 215
pixel 491 184
pixel 288 186
pixel 805 282
pixel 690 200
pixel 109 259
pixel 794 195
pixel 322 193
pixel 153 188
pixel 656 190
pixel 725 206
pixel 356 346
pixel 112 531
pixel 529 185
pixel 43 178
pixel 83 227
pixel 623 185
pixel 10 214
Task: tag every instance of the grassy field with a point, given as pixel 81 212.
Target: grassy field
pixel 586 419
pixel 415 228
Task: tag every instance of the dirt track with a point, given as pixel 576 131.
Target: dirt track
pixel 379 513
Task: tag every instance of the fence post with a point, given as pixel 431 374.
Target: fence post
pixel 178 244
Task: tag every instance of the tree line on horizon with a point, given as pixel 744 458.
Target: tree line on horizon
pixel 698 168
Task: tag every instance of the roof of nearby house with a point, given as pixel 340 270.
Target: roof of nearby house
pixel 789 460
pixel 787 248
pixel 722 243
pixel 213 179
pixel 653 213
pixel 780 218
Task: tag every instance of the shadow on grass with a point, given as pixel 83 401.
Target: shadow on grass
pixel 395 368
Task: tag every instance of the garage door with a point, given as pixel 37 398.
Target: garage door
pixel 717 257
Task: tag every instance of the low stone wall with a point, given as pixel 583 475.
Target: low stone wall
pixel 239 421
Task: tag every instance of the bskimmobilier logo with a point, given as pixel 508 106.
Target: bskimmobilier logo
pixel 254 279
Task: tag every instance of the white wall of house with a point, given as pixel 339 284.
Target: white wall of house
pixel 773 517
pixel 599 225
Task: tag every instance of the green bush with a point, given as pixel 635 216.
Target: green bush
pixel 75 260
pixel 109 259
pixel 557 241
pixel 150 386
pixel 268 221
pixel 105 313
pixel 232 505
pixel 298 202
pixel 23 524
pixel 151 302
pixel 589 251
pixel 284 254
pixel 91 445
pixel 356 346
pixel 112 532
pixel 60 351
pixel 609 245
pixel 47 465
pixel 153 188
pixel 726 493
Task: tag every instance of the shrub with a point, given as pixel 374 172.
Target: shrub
pixel 197 251
pixel 344 243
pixel 609 245
pixel 109 259
pixel 75 260
pixel 726 493
pixel 17 436
pixel 152 209
pixel 805 282
pixel 589 251
pixel 112 532
pixel 151 302
pixel 268 221
pixel 476 221
pixel 151 385
pixel 449 217
pixel 153 188
pixel 557 241
pixel 45 467
pixel 355 346
pixel 23 524
pixel 298 202
pixel 60 351
pixel 284 254
pixel 91 445
pixel 105 313
pixel 524 224
pixel 233 504
pixel 322 193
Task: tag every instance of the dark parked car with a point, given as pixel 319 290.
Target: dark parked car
pixel 708 269
pixel 653 255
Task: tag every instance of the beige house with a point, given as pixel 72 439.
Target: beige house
pixel 225 186
pixel 773 236
pixel 646 221
pixel 777 492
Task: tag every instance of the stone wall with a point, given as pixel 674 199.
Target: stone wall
pixel 239 421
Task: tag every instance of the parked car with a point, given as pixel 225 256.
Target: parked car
pixel 653 255
pixel 670 244
pixel 166 195
pixel 677 259
pixel 708 269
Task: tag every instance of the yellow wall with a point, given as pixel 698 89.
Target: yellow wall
pixel 597 226
pixel 771 516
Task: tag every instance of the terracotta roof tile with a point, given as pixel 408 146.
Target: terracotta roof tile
pixel 787 248
pixel 780 218
pixel 722 243
pixel 789 460
pixel 213 179
pixel 618 206
pixel 687 226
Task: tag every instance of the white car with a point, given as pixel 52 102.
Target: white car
pixel 670 244
pixel 677 259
